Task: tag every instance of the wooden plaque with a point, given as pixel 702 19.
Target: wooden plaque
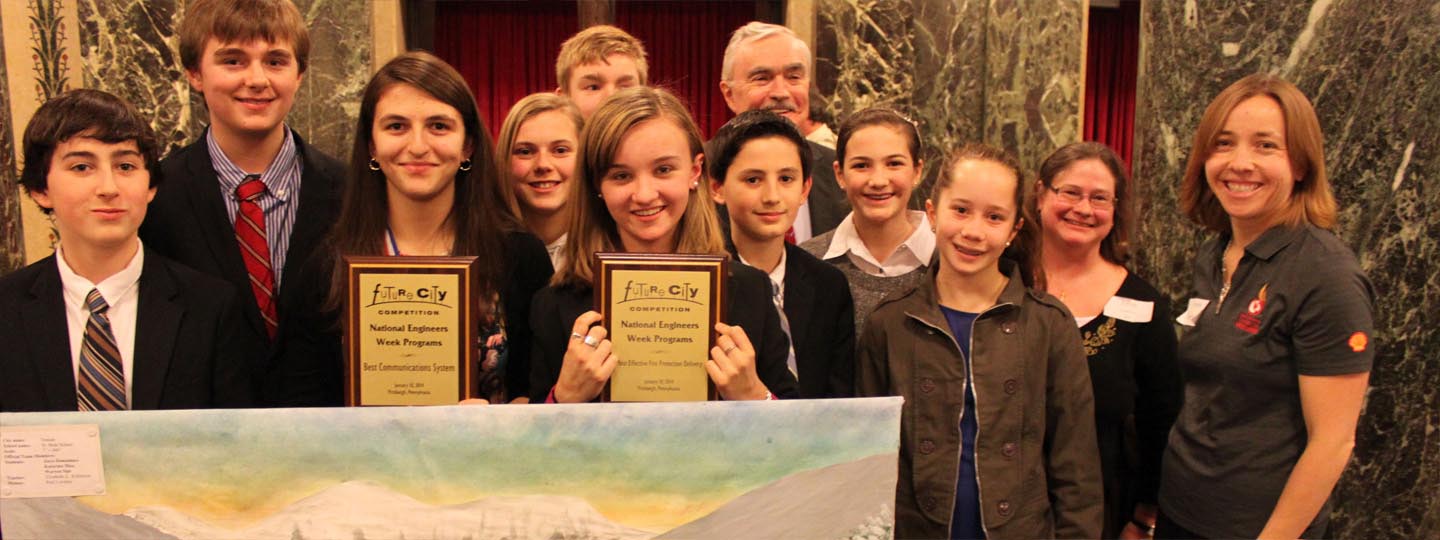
pixel 410 326
pixel 660 313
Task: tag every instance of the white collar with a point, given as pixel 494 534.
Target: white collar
pixel 920 244
pixel 111 288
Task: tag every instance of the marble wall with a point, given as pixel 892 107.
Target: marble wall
pixel 1371 75
pixel 12 254
pixel 1006 72
pixel 130 48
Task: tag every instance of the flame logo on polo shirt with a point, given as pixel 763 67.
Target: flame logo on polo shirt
pixel 1358 342
pixel 1249 320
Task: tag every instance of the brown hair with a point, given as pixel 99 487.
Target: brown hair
pixel 89 113
pixel 1025 249
pixel 596 44
pixel 528 107
pixel 1115 247
pixel 1310 201
pixel 592 228
pixel 476 215
pixel 239 21
pixel 878 116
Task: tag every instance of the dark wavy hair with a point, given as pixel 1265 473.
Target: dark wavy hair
pixel 477 216
pixel 89 113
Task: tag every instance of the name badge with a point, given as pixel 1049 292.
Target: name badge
pixel 1193 311
pixel 1129 309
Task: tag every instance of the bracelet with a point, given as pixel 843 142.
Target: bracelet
pixel 1149 528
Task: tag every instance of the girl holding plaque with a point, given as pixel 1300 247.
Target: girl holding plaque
pixel 423 182
pixel 882 246
pixel 974 343
pixel 538 143
pixel 637 190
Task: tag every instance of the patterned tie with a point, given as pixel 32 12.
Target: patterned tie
pixel 101 382
pixel 255 250
pixel 785 325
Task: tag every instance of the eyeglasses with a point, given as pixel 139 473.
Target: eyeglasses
pixel 1098 200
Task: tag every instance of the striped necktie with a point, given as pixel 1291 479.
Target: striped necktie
pixel 255 249
pixel 101 382
pixel 785 325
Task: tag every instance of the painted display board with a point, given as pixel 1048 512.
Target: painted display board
pixel 779 469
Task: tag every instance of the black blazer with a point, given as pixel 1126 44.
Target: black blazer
pixel 187 222
pixel 314 374
pixel 828 205
pixel 822 324
pixel 747 305
pixel 189 348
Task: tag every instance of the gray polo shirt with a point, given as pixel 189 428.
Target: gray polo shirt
pixel 1298 305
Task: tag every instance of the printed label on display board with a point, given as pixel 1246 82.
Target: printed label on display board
pixel 51 461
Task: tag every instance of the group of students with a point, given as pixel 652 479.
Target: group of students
pixel 1045 394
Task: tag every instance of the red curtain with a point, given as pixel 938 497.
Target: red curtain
pixel 686 43
pixel 505 50
pixel 1110 75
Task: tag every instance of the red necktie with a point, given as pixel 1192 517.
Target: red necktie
pixel 255 250
pixel 790 235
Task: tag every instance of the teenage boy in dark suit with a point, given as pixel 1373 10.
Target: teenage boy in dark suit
pixel 105 323
pixel 249 201
pixel 760 170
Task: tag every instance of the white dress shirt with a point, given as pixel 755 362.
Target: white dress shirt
pixel 913 253
pixel 122 292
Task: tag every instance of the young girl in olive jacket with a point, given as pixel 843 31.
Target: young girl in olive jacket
pixel 998 429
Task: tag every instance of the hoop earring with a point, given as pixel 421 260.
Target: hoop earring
pixel 466 165
pixel 374 165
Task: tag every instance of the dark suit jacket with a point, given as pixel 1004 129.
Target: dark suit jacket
pixel 822 325
pixel 189 348
pixel 828 205
pixel 747 305
pixel 187 222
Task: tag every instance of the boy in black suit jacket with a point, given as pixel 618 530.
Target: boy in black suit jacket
pixel 105 324
pixel 760 170
pixel 249 201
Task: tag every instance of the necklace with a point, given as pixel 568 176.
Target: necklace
pixel 1225 278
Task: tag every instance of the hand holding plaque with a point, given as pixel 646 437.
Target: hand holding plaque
pixel 732 365
pixel 588 361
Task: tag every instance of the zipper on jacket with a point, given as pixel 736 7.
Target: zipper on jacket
pixel 969 384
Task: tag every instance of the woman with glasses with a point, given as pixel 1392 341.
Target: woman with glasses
pixel 1081 199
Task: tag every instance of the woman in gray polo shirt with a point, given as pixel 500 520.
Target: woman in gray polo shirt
pixel 1277 345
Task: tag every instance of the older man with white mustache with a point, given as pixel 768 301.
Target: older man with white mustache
pixel 767 66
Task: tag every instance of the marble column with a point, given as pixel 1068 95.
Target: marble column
pixel 12 246
pixel 1370 73
pixel 131 48
pixel 1005 72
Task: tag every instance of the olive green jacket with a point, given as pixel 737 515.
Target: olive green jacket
pixel 1037 462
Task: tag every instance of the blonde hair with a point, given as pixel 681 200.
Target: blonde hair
pixel 592 228
pixel 1310 200
pixel 595 44
pixel 528 107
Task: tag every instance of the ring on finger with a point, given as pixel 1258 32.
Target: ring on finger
pixel 591 341
pixel 728 350
pixel 576 335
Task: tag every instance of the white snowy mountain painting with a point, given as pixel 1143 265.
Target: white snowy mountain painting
pixel 798 469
